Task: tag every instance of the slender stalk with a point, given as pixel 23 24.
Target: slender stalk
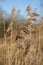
pixel 4 32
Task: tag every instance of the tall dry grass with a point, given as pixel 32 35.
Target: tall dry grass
pixel 23 46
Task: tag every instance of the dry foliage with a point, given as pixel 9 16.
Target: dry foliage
pixel 23 46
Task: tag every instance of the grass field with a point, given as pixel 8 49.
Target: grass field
pixel 23 51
